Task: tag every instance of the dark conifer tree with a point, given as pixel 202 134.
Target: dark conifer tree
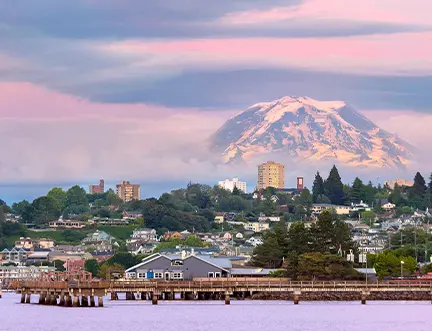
pixel 334 187
pixel 318 187
pixel 357 191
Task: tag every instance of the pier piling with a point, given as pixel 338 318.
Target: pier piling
pixel 154 299
pixel 227 299
pixel 23 297
pixel 28 298
pixel 92 301
pixel 100 301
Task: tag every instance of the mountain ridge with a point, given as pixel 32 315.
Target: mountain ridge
pixel 310 130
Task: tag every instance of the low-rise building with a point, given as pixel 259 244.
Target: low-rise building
pixel 318 208
pixel 13 273
pixel 144 234
pixel 219 218
pixel 388 206
pixel 67 224
pixel 180 267
pixel 229 185
pixel 24 243
pixel 264 218
pixel 15 255
pixel 256 226
pixel 98 236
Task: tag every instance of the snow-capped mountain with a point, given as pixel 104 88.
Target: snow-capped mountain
pixel 309 129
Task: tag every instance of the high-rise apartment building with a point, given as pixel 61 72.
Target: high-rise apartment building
pixel 229 185
pixel 127 191
pixel 271 174
pixel 100 188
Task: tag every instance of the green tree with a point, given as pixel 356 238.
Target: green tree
pixel 419 187
pixel 59 265
pixel 305 200
pixel 357 191
pixel 92 266
pixel 368 217
pixel 126 260
pixel 318 187
pixel 334 187
pixel 193 241
pixel 323 232
pixel 299 238
pixel 324 266
pixel 59 195
pixel 389 264
pixel 396 196
pixel 18 208
pixel 45 209
pixel 269 254
pixel 109 271
pixel 76 196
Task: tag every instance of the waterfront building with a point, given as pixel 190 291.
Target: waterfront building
pixel 180 267
pixel 11 273
pixel 99 188
pixel 229 185
pixel 271 174
pixel 128 192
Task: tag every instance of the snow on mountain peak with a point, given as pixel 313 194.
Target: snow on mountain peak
pixel 309 129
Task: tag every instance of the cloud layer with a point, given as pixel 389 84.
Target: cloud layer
pixel 131 89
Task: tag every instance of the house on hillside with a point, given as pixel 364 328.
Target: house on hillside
pixel 14 255
pixel 98 236
pixel 144 234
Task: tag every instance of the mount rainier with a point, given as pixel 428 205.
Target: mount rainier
pixel 308 129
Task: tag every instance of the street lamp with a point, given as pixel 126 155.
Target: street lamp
pixel 402 264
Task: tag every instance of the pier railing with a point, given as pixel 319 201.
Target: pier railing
pixel 222 284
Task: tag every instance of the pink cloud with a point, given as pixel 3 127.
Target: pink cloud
pixel 395 54
pixel 54 136
pixel 26 100
pixel 394 11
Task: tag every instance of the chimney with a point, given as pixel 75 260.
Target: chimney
pixel 300 185
pixel 183 254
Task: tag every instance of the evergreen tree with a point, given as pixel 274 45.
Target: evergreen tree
pixel 318 187
pixel 357 191
pixel 323 232
pixel 419 187
pixel 396 196
pixel 430 183
pixel 334 187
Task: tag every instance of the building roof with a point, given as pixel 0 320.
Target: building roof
pixel 219 262
pixel 251 272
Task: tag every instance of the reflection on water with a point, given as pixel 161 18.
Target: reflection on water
pixel 209 316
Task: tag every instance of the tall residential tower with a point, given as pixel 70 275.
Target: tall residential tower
pixel 127 191
pixel 271 174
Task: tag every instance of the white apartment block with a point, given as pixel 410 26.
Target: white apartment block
pixel 256 226
pixel 229 185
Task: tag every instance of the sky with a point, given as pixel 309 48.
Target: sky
pixel 132 89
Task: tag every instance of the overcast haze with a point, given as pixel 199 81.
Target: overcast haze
pixel 131 89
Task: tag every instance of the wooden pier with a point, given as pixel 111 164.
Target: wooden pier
pixel 82 293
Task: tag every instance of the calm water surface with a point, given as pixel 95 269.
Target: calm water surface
pixel 209 316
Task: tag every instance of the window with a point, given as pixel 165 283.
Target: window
pixel 211 275
pixel 217 274
pixel 158 275
pixel 177 275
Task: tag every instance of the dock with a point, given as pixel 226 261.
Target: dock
pixel 83 293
